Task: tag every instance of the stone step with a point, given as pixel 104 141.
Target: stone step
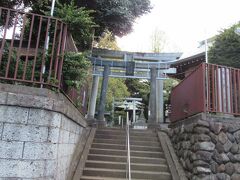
pixel 123 142
pixel 103 178
pixel 148 160
pixel 123 147
pixel 108 132
pixel 122 165
pixel 134 159
pixel 149 167
pixel 109 141
pixel 115 173
pixel 123 133
pixel 130 130
pixel 133 138
pixel 111 129
pixel 150 154
pixel 124 153
pixel 142 130
pixel 107 158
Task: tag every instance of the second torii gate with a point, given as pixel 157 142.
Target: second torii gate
pixel 153 66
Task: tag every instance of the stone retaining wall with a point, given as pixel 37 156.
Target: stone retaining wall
pixel 208 146
pixel 39 130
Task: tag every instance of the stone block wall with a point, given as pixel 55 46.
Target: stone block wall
pixel 37 141
pixel 208 146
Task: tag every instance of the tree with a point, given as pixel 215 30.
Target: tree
pixel 80 23
pixel 117 16
pixel 17 3
pixel 75 69
pixel 116 89
pixel 140 89
pixel 226 48
pixel 168 85
pixel 107 41
pixel 158 40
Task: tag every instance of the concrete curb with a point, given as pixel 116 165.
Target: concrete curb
pixel 83 157
pixel 173 163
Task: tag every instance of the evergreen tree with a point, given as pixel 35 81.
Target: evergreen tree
pixel 116 89
pixel 117 16
pixel 226 48
pixel 80 23
pixel 139 88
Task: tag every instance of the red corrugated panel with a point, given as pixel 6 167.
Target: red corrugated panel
pixel 188 98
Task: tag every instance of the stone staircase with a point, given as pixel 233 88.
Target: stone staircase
pixel 108 156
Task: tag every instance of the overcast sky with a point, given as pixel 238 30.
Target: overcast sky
pixel 185 23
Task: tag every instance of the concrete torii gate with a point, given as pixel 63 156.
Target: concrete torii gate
pixel 121 64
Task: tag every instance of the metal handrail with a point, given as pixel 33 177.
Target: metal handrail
pixel 128 165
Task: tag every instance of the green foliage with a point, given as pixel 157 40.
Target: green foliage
pixel 80 22
pixel 167 88
pixel 118 16
pixel 15 60
pixel 75 69
pixel 226 48
pixel 116 89
pixel 107 41
pixel 16 3
pixel 140 89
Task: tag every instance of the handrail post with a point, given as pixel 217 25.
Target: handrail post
pixel 128 165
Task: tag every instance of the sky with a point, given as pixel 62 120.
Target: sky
pixel 184 22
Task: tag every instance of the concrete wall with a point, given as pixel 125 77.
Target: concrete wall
pixel 208 146
pixel 39 130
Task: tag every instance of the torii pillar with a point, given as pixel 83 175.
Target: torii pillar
pixel 160 101
pixel 101 109
pixel 152 118
pixel 93 100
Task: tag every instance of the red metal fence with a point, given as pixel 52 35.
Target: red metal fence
pixel 223 89
pixel 32 51
pixel 79 97
pixel 31 48
pixel 210 88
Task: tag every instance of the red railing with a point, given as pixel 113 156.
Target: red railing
pixel 31 48
pixel 223 89
pixel 210 88
pixel 32 51
pixel 79 97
